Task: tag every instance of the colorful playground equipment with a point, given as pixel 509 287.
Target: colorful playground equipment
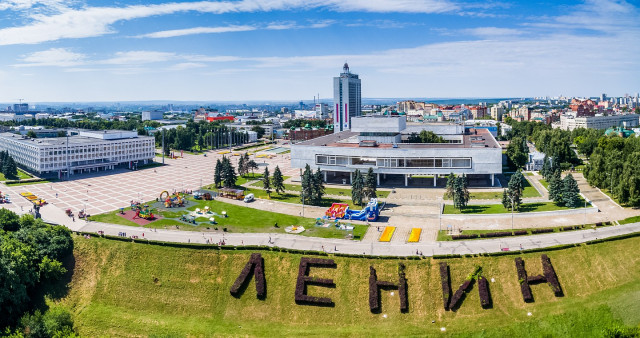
pixel 142 211
pixel 172 201
pixel 342 211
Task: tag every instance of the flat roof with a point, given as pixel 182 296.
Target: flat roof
pixel 348 139
pixel 56 141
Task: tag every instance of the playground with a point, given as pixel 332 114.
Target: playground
pixel 342 211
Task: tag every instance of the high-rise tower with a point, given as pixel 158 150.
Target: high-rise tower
pixel 346 99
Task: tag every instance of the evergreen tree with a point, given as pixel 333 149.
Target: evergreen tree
pixel 278 180
pixel 570 192
pixel 250 165
pixel 451 182
pixel 318 187
pixel 228 173
pixel 357 188
pixel 9 168
pixel 556 187
pixel 266 181
pixel 514 192
pixel 546 168
pixel 370 185
pixel 217 174
pixel 465 190
pixel 242 166
pixel 307 185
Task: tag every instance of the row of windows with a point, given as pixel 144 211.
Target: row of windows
pixel 408 162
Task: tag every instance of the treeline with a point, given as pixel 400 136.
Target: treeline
pixel 299 123
pixel 31 255
pixel 133 122
pixel 199 136
pixel 8 166
pixel 556 143
pixel 615 165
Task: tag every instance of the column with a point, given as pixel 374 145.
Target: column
pixel 378 178
pixel 325 176
pixel 435 180
pixel 350 178
pixel 406 180
pixel 492 180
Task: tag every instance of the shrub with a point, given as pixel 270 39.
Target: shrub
pixel 255 265
pixel 541 231
pixel 375 285
pixel 402 289
pixel 304 279
pixel 520 232
pixel 496 234
pixel 457 296
pixel 522 278
pixel 483 289
pixel 445 280
pixel 550 275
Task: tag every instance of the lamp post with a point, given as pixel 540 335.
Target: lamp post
pixel 584 223
pixel 440 217
pixel 302 191
pixel 511 198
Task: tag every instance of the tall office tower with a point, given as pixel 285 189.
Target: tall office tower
pixel 346 99
pixel 603 97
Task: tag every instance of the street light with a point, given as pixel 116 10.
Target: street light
pixel 511 198
pixel 302 191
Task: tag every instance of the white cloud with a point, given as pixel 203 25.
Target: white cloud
pixel 282 25
pixel 187 65
pixel 492 31
pixel 96 21
pixel 58 57
pixel 139 57
pixel 197 30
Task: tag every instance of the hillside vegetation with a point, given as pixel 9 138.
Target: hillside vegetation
pixel 129 289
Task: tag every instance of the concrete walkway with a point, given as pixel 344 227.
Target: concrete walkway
pixel 427 248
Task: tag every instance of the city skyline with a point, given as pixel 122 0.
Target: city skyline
pixel 55 50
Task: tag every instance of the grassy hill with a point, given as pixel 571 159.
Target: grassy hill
pixel 128 289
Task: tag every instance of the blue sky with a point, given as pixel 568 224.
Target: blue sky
pixel 85 50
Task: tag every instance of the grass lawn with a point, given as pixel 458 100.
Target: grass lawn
pixel 21 175
pixel 443 236
pixel 528 191
pixel 544 183
pixel 16 183
pixel 528 173
pixel 500 209
pixel 240 219
pixel 131 289
pixel 628 220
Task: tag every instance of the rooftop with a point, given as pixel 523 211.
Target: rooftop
pixel 52 141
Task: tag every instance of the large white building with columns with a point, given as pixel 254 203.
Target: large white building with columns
pixel 88 151
pixel 380 142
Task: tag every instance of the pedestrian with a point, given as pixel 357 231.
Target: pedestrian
pixel 189 240
pixel 335 248
pixel 143 234
pixel 74 218
pixel 56 195
pixel 520 246
pixel 323 248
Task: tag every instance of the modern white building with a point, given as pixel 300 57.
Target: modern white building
pixel 152 115
pixel 86 152
pixel 379 142
pixel 570 122
pixel 347 99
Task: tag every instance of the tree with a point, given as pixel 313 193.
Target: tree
pixel 357 188
pixel 32 134
pixel 228 173
pixel 266 181
pixel 451 182
pixel 278 180
pixel 251 165
pixel 9 168
pixel 425 136
pixel 546 168
pixel 307 185
pixel 259 130
pixel 217 174
pixel 242 166
pixel 517 152
pixel 318 187
pixel 570 192
pixel 556 187
pixel 370 185
pixel 460 192
pixel 512 197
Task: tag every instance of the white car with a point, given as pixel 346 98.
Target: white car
pixel 248 198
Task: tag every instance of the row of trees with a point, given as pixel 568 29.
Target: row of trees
pixel 564 191
pixel 224 173
pixel 299 123
pixel 312 186
pixel 8 166
pixel 276 182
pixel 31 255
pixel 458 190
pixel 245 164
pixel 615 165
pixel 425 136
pixel 363 187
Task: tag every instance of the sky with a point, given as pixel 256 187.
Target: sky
pixel 251 50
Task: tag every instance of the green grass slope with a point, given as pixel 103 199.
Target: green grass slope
pixel 128 289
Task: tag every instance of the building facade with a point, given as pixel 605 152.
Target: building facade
pixel 569 122
pixel 86 152
pixel 347 99
pixel 152 115
pixel 379 142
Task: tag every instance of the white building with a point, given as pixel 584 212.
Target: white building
pixel 86 152
pixel 152 115
pixel 377 142
pixel 346 99
pixel 496 112
pixel 570 122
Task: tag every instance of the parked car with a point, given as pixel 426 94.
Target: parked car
pixel 248 198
